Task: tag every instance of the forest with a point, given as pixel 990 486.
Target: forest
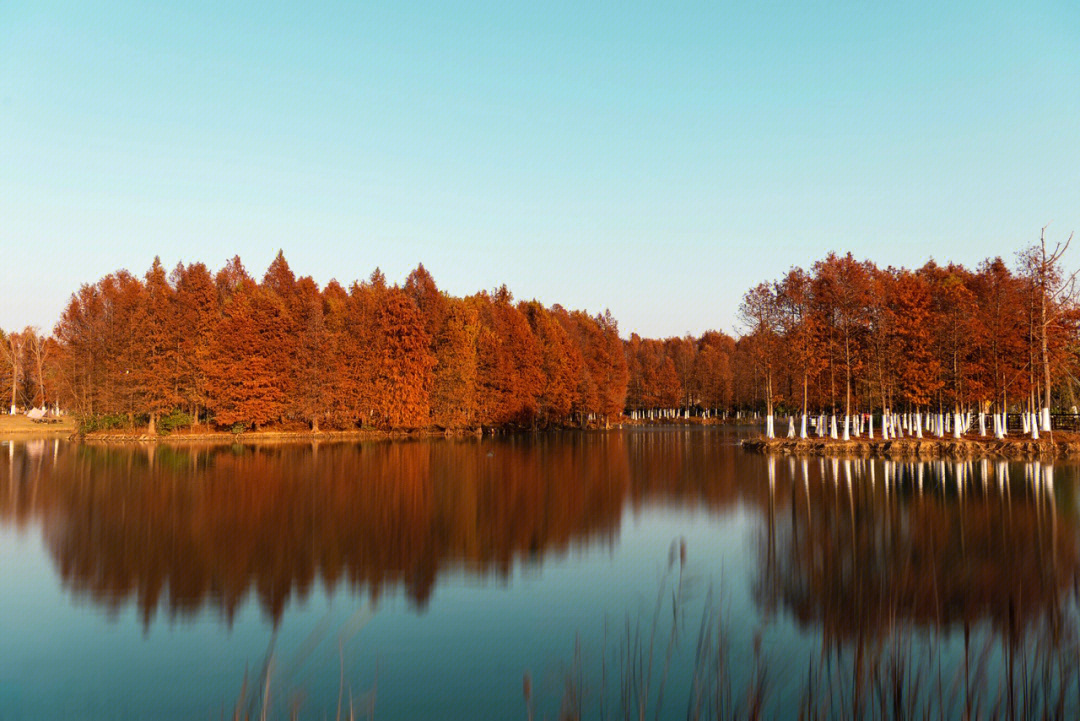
pixel 935 348
pixel 838 343
pixel 225 350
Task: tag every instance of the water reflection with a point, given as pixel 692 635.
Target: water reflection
pixel 188 527
pixel 862 547
pixel 850 546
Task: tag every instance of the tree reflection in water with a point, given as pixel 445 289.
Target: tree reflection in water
pixel 855 546
pixel 183 528
pixel 896 565
pixel 892 561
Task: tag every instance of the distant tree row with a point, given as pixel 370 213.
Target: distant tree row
pixel 26 357
pixel 848 337
pixel 231 351
pixel 687 374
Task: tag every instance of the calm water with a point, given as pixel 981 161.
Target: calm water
pixel 427 578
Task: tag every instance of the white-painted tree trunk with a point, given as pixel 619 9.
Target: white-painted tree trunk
pixel 940 421
pixel 1046 420
pixel 885 425
pixel 791 427
pixel 870 427
pixel 1034 424
pixel 918 424
pixel 802 426
pixel 847 429
pixel 769 426
pixel 957 425
pixel 832 427
pixel 982 423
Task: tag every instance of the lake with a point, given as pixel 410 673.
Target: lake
pixel 596 573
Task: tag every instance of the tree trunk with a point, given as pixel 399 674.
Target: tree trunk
pixel 847 386
pixel 1043 270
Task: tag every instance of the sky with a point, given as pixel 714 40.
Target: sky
pixel 657 160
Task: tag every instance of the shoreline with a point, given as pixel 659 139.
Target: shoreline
pixel 26 430
pixel 1064 444
pixel 267 436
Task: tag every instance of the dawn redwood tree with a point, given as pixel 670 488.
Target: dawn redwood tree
pixel 586 399
pixel 451 327
pixel 682 352
pixel 197 315
pixel 336 323
pixel 509 379
pixel 157 365
pixel 429 301
pixel 80 354
pixel 454 377
pixel 561 361
pixel 359 348
pixel 246 385
pixel 954 332
pixel 1053 292
pixel 614 374
pixel 12 351
pixel 403 363
pixel 669 387
pixel 760 314
pixel 712 378
pixel 632 349
pixel 801 331
pixel 909 318
pixel 280 282
pixel 315 358
pixel 604 377
pixel 39 350
pixel 123 346
pixel 844 288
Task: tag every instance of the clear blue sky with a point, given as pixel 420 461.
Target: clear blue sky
pixel 657 160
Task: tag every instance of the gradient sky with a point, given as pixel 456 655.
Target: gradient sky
pixel 655 160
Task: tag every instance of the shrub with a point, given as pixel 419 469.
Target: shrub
pixel 104 422
pixel 174 420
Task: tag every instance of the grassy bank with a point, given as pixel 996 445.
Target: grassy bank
pixel 22 427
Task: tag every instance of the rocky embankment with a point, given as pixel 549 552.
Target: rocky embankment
pixel 1060 445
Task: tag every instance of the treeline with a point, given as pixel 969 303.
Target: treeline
pixel 234 352
pixel 847 337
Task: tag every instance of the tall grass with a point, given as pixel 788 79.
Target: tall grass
pixel 908 672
